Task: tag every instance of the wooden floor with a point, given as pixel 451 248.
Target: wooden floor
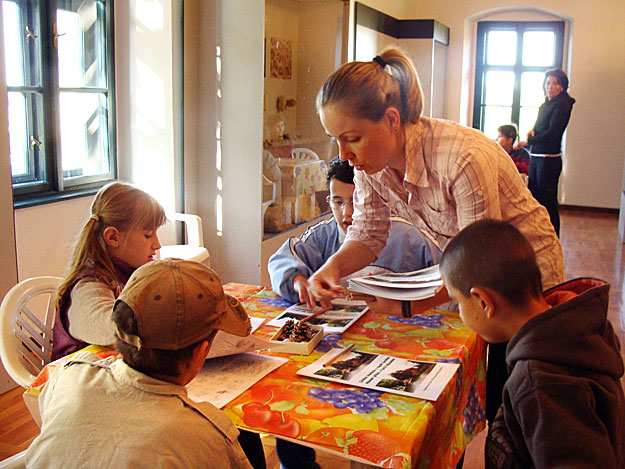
pixel 592 247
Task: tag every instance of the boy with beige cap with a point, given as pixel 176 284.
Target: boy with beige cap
pixel 135 412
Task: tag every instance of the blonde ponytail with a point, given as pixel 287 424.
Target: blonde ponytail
pixel 368 89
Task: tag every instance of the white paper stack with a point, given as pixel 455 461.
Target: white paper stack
pixel 416 285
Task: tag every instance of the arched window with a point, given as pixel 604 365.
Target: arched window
pixel 511 60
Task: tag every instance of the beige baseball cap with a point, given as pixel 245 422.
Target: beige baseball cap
pixel 179 303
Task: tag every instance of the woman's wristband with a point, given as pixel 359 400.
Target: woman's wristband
pixel 405 309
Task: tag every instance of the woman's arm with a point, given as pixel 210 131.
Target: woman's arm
pixel 323 285
pixel 558 120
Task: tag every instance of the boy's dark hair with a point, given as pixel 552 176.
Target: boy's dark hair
pixel 340 170
pixel 508 131
pixel 493 254
pixel 560 75
pixel 148 361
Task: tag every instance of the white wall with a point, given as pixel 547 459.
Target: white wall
pixel 8 263
pixel 229 161
pixel 320 32
pixel 594 147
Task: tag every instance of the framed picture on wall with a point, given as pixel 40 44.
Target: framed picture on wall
pixel 281 61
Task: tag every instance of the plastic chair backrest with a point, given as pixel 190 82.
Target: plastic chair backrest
pixel 27 315
pixel 274 193
pixel 304 154
pixel 194 249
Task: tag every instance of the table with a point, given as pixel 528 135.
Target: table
pixel 400 430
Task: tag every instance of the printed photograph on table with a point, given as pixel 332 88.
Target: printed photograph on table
pixel 407 379
pixel 341 315
pixel 424 380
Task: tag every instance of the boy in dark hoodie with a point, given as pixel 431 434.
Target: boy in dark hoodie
pixel 563 403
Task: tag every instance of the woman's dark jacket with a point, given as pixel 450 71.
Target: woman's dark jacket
pixel 553 117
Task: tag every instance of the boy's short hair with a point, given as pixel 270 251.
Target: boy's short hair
pixel 508 131
pixel 493 254
pixel 340 170
pixel 167 308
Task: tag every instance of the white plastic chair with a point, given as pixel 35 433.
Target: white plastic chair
pixel 274 193
pixel 27 315
pixel 194 250
pixel 304 154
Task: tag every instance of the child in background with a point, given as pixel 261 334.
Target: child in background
pixel 563 404
pixel 506 136
pixel 119 237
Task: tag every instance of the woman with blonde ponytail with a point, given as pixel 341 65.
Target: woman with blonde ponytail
pixel 439 175
pixel 119 236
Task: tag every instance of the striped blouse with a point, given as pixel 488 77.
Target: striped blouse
pixel 454 176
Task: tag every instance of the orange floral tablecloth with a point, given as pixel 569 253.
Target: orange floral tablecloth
pixel 381 428
pixel 377 428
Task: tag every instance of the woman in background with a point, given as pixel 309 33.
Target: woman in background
pixel 545 142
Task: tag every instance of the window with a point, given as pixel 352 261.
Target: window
pixel 511 60
pixel 58 56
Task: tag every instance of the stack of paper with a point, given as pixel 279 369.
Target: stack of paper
pixel 416 285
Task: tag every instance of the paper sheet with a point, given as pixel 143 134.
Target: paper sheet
pixel 222 379
pixel 228 344
pixel 425 380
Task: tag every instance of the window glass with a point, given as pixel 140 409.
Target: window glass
pixel 499 87
pixel 81 47
pixel 538 48
pixel 532 93
pixel 527 118
pixel 83 134
pixel 19 140
pixel 495 116
pixel 501 48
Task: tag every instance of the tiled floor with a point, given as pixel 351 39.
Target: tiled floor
pixel 592 247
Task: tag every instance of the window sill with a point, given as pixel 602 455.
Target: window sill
pixel 52 197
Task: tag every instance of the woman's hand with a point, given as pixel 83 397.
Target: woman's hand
pixel 519 144
pixel 323 287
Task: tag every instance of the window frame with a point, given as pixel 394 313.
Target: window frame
pixel 481 68
pixel 46 183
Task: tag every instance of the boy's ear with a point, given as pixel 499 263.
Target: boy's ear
pixel 199 355
pixel 486 300
pixel 111 236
